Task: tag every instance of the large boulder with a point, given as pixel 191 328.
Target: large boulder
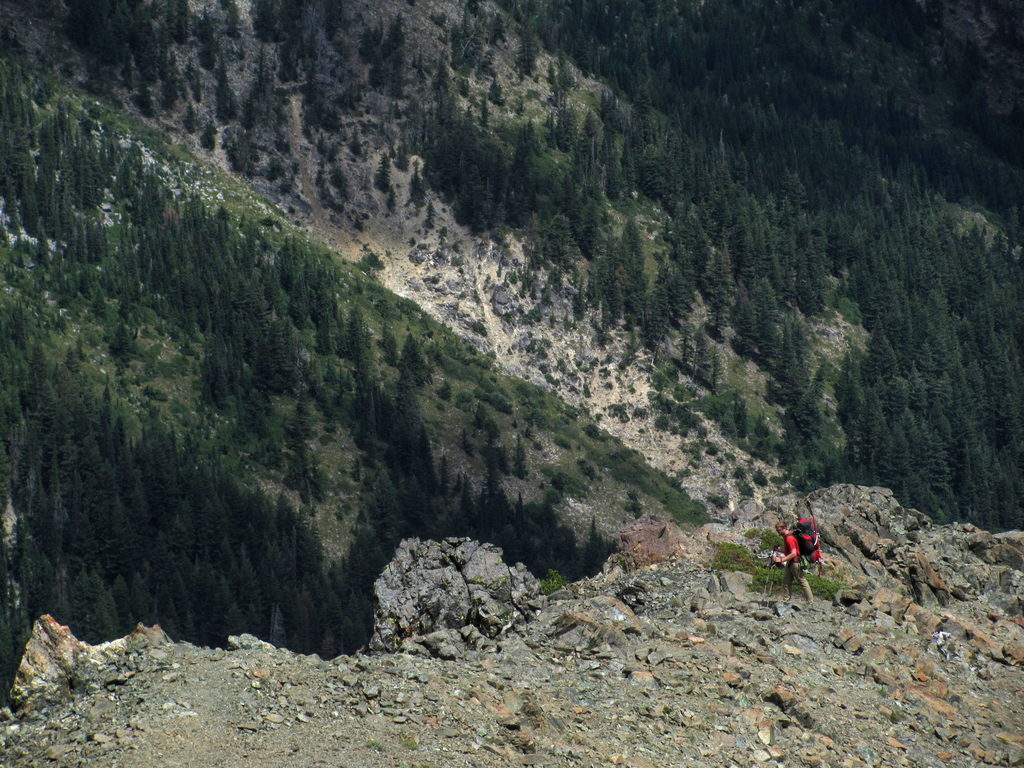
pixel 646 541
pixel 431 586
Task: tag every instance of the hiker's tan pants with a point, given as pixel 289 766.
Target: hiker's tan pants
pixel 796 571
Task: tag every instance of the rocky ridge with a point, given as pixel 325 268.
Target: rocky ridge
pixel 432 589
pixel 667 664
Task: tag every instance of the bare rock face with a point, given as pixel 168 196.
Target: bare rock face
pixel 888 545
pixel 430 587
pixel 646 541
pixel 874 535
pixel 48 666
pixel 56 665
pixel 503 300
pixel 985 26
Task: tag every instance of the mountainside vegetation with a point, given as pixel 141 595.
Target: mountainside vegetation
pixel 209 424
pixel 810 158
pixel 822 191
pixel 739 175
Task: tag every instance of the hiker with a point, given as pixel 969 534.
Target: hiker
pixel 790 560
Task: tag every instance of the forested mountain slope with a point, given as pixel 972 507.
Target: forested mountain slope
pixel 834 155
pixel 209 423
pixel 770 245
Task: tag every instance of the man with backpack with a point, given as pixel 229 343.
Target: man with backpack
pixel 790 560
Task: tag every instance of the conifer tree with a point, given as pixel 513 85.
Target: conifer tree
pixel 382 178
pixel 227 105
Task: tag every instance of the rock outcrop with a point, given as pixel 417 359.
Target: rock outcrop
pixel 48 667
pixel 873 542
pixel 438 593
pixel 56 665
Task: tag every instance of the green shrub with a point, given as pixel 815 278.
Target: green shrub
pixel 371 261
pixel 565 483
pixel 850 310
pixel 553 582
pixel 496 399
pixel 766 579
pixel 732 557
pixel 464 400
pixel 718 500
pixel 824 588
pixel 771 578
pixel 586 468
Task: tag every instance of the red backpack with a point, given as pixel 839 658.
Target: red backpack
pixel 806 532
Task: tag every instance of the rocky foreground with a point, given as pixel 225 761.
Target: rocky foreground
pixel 919 661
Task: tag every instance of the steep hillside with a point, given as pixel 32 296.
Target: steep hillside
pixel 747 239
pixel 674 664
pixel 992 38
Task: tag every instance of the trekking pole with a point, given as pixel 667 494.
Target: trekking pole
pixel 769 583
pixel 767 587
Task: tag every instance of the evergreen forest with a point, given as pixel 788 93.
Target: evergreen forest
pixel 741 173
pixel 808 160
pixel 173 370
